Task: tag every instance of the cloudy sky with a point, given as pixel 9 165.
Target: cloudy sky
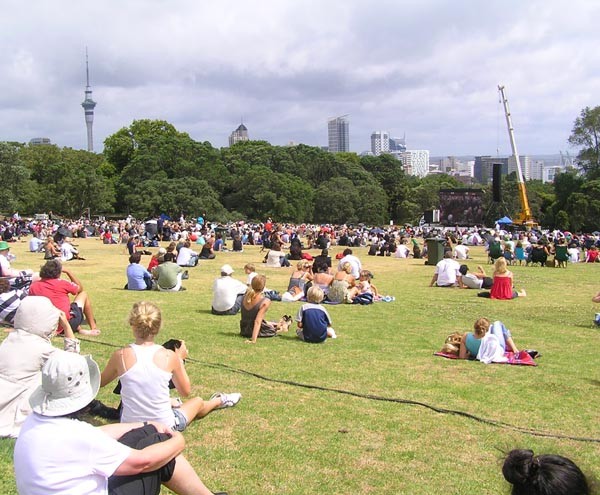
pixel 427 68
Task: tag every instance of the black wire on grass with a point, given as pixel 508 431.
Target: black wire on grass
pixel 441 410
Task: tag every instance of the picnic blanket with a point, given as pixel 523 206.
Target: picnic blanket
pixel 520 358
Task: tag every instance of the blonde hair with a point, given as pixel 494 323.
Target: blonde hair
pixel 500 266
pixel 315 294
pixel 256 287
pixel 300 264
pixel 347 267
pixel 250 267
pixel 145 318
pixel 481 327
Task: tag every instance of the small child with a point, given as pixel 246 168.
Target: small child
pixel 314 322
pixel 250 270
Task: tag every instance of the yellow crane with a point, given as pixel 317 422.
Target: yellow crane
pixel 525 217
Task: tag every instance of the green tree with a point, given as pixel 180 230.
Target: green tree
pixel 586 135
pixel 18 191
pixel 69 181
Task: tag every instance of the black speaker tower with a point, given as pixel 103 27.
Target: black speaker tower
pixel 497 182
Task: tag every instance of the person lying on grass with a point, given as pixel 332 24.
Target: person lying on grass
pixel 471 342
pixel 145 369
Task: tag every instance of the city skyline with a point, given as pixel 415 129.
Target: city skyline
pixel 428 69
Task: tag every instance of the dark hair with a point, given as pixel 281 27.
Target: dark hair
pixel 543 474
pixel 135 258
pixel 347 251
pixel 168 257
pixel 52 269
pixel 4 285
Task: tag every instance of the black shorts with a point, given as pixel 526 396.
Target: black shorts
pixel 143 483
pixel 76 318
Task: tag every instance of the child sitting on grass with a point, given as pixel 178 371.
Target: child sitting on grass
pixel 314 322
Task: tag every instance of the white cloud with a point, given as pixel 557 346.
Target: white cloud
pixel 427 68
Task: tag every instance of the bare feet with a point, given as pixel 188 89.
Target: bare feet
pixel 92 332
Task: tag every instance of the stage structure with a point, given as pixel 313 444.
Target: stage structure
pixel 462 207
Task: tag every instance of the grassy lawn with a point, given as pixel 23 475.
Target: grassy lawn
pixel 289 439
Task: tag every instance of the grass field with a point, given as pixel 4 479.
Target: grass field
pixel 284 438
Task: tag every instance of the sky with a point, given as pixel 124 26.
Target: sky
pixel 425 68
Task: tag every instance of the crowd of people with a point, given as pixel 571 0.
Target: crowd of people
pixel 145 449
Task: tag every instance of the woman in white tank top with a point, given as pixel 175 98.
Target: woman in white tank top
pixel 145 369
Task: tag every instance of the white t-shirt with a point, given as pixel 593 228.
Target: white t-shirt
pixel 61 456
pixel 354 263
pixel 67 251
pixel 447 271
pixel 184 256
pixel 401 251
pixel 225 291
pixel 471 281
pixel 461 252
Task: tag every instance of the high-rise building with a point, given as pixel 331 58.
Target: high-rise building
pixel 338 133
pixel 88 106
pixel 397 144
pixel 380 142
pixel 240 134
pixel 525 162
pixel 415 162
pixel 482 169
pixel 537 170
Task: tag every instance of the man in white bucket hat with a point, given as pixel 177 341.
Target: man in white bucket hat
pixel 57 453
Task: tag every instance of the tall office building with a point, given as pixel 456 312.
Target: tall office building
pixel 525 162
pixel 338 130
pixel 88 106
pixel 415 162
pixel 240 134
pixel 397 144
pixel 482 169
pixel 380 142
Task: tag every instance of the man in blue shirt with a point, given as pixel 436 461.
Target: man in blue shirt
pixel 138 278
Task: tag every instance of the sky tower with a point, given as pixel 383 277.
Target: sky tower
pixel 88 105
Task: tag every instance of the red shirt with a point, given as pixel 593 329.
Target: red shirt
pixel 57 290
pixel 502 288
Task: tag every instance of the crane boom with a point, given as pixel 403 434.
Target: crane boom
pixel 525 216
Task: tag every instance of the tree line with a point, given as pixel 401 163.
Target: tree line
pixel 151 168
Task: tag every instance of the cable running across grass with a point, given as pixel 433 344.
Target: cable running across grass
pixel 441 410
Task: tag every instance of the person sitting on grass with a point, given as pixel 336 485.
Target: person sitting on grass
pixel 502 288
pixel 10 300
pixel 314 322
pixel 168 275
pixel 363 292
pixel 138 278
pixel 23 354
pixel 56 453
pixel 343 282
pixel 254 308
pixel 544 474
pixel 228 293
pixel 301 276
pixel 58 290
pixel 185 255
pixel 145 368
